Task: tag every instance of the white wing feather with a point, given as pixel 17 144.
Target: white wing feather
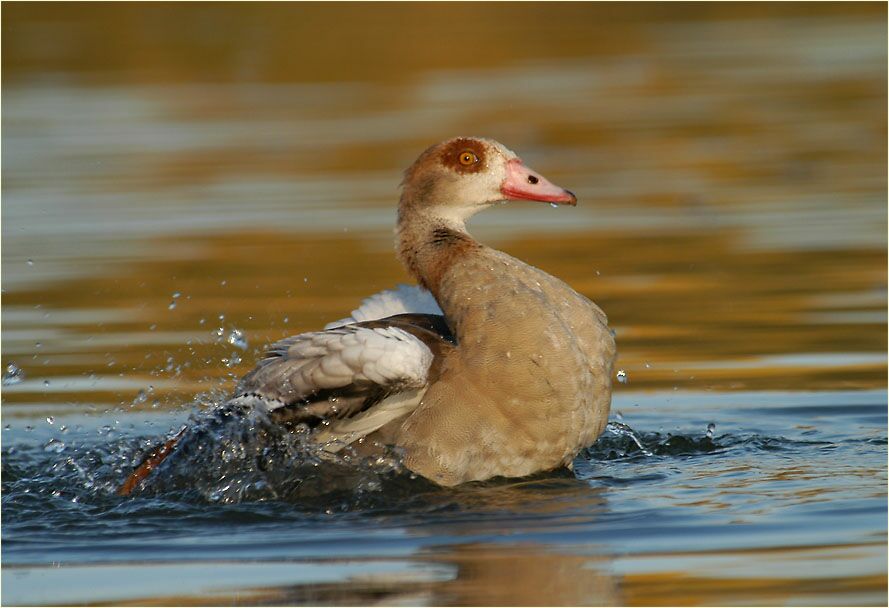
pixel 344 354
pixel 402 299
pixel 304 364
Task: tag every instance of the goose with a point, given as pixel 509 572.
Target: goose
pixel 488 367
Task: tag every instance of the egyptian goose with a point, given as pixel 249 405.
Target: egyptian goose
pixel 490 367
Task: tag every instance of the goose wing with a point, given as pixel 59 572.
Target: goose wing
pixel 356 377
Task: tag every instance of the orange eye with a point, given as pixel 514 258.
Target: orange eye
pixel 467 157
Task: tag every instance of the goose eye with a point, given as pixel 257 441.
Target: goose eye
pixel 468 158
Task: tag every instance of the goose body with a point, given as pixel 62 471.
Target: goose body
pixel 490 367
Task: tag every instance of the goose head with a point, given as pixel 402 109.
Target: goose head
pixel 459 177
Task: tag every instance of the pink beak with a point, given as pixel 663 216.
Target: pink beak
pixel 523 183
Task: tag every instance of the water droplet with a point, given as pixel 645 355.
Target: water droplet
pixel 648 366
pixel 141 397
pixel 46 383
pixel 50 419
pixel 286 319
pixel 54 445
pixel 172 305
pixel 711 428
pixel 554 206
pixel 202 321
pixel 13 374
pixel 223 283
pixel 622 376
pixel 176 294
pixel 598 274
pixel 30 262
pixel 233 360
pixel 38 345
pixel 305 279
pixel 236 338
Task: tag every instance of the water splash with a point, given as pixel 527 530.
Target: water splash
pixel 236 338
pixel 54 445
pixel 622 430
pixel 234 453
pixel 143 394
pixel 13 374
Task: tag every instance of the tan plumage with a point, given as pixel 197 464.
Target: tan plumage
pixel 513 377
pixel 530 383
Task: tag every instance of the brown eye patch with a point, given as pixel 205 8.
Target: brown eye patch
pixel 464 155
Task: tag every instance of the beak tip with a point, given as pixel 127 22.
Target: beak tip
pixel 573 200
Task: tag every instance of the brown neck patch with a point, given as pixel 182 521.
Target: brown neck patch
pixel 427 254
pixel 447 247
pixel 445 237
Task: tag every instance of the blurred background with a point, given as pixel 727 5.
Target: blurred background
pixel 185 182
pixel 729 160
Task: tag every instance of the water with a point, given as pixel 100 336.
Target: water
pixel 170 208
pixel 13 374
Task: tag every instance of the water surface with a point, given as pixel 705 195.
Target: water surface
pixel 240 173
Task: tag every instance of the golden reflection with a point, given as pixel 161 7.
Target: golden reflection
pixel 360 41
pixel 670 305
pixel 525 575
pixel 682 589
